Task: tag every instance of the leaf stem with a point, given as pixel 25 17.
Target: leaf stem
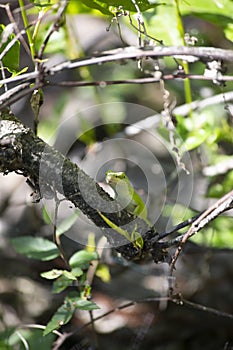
pixel 27 29
pixel 187 85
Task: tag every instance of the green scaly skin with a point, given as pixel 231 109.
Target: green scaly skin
pixel 128 198
pixel 126 194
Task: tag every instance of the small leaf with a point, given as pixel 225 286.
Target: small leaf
pixel 82 259
pixel 137 239
pixel 46 215
pixel 69 275
pixel 23 70
pixel 103 273
pixel 11 59
pixel 61 284
pixel 65 312
pixel 97 5
pixel 61 317
pixel 77 272
pixel 106 6
pixel 81 303
pixel 196 138
pixel 35 247
pixel 53 274
pixel 229 31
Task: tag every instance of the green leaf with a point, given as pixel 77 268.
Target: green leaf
pixel 61 284
pixel 53 274
pixel 11 59
pixel 46 216
pixel 82 259
pixel 164 24
pixel 77 7
pixel 137 239
pixel 217 8
pixel 221 186
pixel 35 247
pixel 11 339
pixel 57 42
pixel 219 12
pixel 96 5
pixel 61 317
pixel 65 312
pixel 23 70
pixel 81 303
pixel 43 3
pixel 67 223
pixel 108 7
pixel 77 272
pixel 129 5
pixel 103 273
pixel 196 138
pixel 5 345
pixel 69 275
pixel 229 31
pixel 5 339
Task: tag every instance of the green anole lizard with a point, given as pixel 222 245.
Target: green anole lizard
pixel 126 194
pixel 128 198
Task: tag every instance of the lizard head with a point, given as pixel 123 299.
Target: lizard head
pixel 113 177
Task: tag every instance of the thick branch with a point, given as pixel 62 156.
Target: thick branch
pixel 23 152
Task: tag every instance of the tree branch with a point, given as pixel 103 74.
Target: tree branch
pixel 25 153
pixel 205 54
pixel 223 204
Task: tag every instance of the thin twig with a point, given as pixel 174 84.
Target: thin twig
pixel 178 227
pixel 55 26
pixel 177 299
pixel 204 53
pixel 38 326
pixel 23 89
pixel 9 46
pixel 23 340
pixel 223 204
pixel 183 110
pixel 32 76
pixel 169 125
pixel 18 32
pixel 147 80
pixel 204 308
pixel 56 237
